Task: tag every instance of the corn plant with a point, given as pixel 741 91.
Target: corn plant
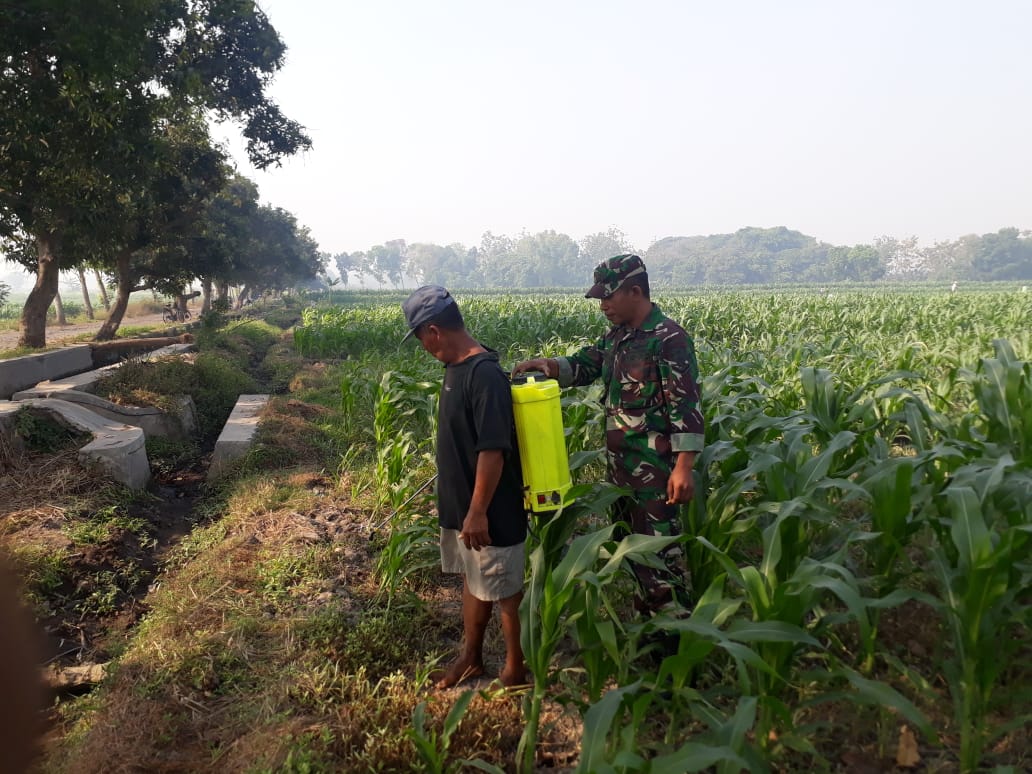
pixel 844 431
pixel 406 410
pixel 984 584
pixel 610 742
pixel 432 746
pixel 554 601
pixel 411 548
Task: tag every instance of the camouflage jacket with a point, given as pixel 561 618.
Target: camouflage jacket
pixel 652 391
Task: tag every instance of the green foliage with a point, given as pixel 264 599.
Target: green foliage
pixel 166 455
pixel 842 437
pixel 213 381
pixel 43 571
pixel 40 432
pixel 432 745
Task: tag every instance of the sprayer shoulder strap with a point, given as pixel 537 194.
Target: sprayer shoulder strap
pixel 467 388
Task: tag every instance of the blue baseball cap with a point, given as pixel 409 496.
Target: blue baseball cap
pixel 425 304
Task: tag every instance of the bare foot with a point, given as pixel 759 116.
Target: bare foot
pixel 460 670
pixel 519 677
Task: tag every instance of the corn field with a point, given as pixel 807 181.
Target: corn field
pixel 867 478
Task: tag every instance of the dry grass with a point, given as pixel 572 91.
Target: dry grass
pixel 42 482
pixel 269 646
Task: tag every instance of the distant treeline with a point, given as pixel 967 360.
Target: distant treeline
pixel 747 257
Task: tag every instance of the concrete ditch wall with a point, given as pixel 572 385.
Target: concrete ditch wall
pixel 117 449
pixel 61 383
pixel 237 435
pixel 19 373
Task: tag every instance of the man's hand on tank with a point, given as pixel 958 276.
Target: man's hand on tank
pixel 545 365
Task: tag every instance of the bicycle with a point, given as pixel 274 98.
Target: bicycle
pixel 170 314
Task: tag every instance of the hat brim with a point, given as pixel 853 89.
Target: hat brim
pixel 409 335
pixel 596 291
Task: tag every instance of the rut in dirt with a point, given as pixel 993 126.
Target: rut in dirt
pixel 77 641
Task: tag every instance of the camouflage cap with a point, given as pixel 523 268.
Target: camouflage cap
pixel 609 276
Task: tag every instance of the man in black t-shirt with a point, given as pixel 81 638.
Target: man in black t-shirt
pixel 479 486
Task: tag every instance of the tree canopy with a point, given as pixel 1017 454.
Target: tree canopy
pixel 87 96
pixel 748 256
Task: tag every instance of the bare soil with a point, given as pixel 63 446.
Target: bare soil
pixel 62 333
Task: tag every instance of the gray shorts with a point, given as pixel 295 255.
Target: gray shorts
pixel 492 573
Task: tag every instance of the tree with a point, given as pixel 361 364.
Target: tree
pixel 495 259
pixel 596 248
pixel 902 258
pixel 219 240
pixel 388 261
pixel 103 290
pixel 279 254
pixel 81 272
pixel 1005 255
pixel 84 89
pixel 145 235
pixel 860 263
pixel 346 266
pixel 549 259
pixel 59 311
pixel 451 266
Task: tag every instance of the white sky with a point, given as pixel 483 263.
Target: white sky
pixel 437 121
pixel 440 120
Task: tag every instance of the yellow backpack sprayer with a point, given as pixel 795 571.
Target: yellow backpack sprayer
pixel 539 434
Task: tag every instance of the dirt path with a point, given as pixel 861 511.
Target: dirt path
pixel 60 333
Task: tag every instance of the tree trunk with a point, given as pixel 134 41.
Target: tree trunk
pixel 34 313
pixel 128 345
pixel 85 293
pixel 122 292
pixel 241 297
pixel 222 291
pixel 205 296
pixel 103 291
pixel 59 309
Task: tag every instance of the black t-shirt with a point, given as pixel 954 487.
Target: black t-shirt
pixel 474 415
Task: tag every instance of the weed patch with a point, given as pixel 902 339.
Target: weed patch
pixel 40 432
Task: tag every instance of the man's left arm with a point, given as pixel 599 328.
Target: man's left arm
pixel 681 394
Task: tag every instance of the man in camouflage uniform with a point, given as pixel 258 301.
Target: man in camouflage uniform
pixel 654 428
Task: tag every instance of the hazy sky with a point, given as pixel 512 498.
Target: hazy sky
pixel 438 121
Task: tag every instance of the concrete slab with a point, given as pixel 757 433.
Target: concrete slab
pixel 19 373
pixel 117 449
pixel 238 434
pixel 87 380
pixel 178 425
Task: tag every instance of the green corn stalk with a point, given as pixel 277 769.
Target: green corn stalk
pixel 411 548
pixel 554 600
pixel 678 670
pixel 890 490
pixel 984 592
pixel 610 743
pixel 781 608
pixel 1003 390
pixel 433 746
pixel 720 511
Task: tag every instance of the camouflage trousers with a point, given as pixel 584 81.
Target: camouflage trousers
pixel 647 513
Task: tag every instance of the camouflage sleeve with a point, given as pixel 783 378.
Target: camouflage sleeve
pixel 680 374
pixel 582 367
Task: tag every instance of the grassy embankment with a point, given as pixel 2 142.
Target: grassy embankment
pixel 249 631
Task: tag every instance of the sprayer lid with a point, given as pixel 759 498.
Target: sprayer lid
pixel 528 376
